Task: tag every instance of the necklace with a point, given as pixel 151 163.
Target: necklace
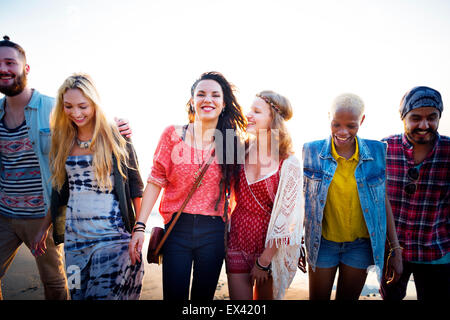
pixel 259 179
pixel 197 173
pixel 84 144
pixel 256 199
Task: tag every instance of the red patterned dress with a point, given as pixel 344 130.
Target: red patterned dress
pixel 249 221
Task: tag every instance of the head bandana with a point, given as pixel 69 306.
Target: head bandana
pixel 419 97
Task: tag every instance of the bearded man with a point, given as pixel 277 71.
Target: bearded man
pixel 418 178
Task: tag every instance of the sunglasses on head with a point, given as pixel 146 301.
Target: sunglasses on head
pixel 413 174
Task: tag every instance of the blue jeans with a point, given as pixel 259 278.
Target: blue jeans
pixel 196 239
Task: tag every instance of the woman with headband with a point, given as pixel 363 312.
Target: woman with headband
pixel 266 223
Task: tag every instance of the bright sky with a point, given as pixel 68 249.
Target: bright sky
pixel 145 55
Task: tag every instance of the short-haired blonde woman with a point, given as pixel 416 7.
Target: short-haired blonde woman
pixel 347 214
pixel 266 223
pixel 96 177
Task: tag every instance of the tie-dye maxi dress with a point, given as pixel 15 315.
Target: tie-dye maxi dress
pixel 96 241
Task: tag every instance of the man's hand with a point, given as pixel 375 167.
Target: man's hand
pixel 124 127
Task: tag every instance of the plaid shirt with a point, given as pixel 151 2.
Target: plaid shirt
pixel 422 219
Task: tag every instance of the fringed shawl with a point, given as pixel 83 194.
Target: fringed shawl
pixel 286 226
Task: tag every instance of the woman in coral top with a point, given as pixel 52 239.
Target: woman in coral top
pixel 266 224
pixel 197 240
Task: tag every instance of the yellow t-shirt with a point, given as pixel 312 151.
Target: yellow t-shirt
pixel 343 219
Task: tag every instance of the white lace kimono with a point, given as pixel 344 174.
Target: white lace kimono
pixel 286 226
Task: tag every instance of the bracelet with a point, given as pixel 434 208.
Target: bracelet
pixel 260 267
pixel 391 243
pixel 140 223
pixel 138 229
pixel 392 251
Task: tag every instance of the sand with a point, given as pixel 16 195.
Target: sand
pixel 22 282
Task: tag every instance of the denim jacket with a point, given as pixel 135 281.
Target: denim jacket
pixel 37 117
pixel 319 167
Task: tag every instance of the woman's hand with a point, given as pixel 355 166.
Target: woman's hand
pixel 394 266
pixel 124 127
pixel 143 210
pixel 258 275
pixel 135 246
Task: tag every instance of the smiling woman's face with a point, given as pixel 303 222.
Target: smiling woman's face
pixel 208 100
pixel 344 127
pixel 259 117
pixel 78 108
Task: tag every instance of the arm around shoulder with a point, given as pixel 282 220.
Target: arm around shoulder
pixel 133 172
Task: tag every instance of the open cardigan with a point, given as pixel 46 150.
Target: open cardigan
pixel 286 226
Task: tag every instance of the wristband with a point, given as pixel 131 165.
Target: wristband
pixel 392 251
pixel 140 223
pixel 138 229
pixel 260 267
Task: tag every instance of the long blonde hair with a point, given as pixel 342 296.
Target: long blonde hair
pixel 106 140
pixel 279 119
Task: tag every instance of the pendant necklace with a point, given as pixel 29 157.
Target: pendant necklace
pixel 84 144
pixel 197 173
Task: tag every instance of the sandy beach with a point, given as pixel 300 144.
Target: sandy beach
pixel 22 282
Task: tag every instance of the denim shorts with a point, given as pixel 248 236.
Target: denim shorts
pixel 356 254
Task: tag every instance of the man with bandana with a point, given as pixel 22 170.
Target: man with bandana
pixel 418 178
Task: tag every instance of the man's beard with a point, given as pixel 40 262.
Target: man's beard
pixel 20 82
pixel 410 136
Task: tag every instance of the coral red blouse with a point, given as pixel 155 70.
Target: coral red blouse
pixel 175 164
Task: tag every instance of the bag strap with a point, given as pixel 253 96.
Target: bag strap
pixel 183 134
pixel 193 189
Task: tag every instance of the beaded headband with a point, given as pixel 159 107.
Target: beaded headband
pixel 270 102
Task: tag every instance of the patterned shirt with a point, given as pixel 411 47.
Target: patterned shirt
pixel 422 218
pixel 21 192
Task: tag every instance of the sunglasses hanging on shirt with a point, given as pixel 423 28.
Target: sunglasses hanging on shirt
pixel 413 174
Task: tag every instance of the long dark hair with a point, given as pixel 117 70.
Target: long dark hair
pixel 233 118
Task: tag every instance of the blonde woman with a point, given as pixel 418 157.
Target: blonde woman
pixel 95 176
pixel 347 215
pixel 266 224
